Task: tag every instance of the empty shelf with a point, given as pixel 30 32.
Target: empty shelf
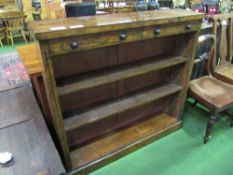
pixel 122 73
pixel 119 106
pixel 122 141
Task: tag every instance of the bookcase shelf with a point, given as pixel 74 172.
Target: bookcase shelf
pixel 103 113
pixel 124 140
pixel 120 73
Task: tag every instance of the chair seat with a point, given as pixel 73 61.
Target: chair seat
pixel 225 69
pixel 216 93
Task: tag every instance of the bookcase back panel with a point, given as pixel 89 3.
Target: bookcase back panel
pixel 80 100
pixel 91 131
pixel 146 48
pixel 80 62
pixel 91 60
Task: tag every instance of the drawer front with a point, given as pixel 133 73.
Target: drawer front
pixel 86 42
pixel 159 31
pixel 94 41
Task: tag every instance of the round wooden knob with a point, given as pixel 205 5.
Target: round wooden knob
pixel 157 31
pixel 188 26
pixel 123 36
pixel 74 45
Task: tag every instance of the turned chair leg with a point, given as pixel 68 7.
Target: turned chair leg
pixel 210 125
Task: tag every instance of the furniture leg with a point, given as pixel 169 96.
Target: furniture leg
pixel 1 43
pixel 24 37
pixel 230 113
pixel 11 38
pixel 231 125
pixel 210 125
pixel 7 37
pixel 30 35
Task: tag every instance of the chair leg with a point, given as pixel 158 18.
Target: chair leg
pixel 24 37
pixel 210 125
pixel 7 37
pixel 230 113
pixel 11 38
pixel 231 117
pixel 1 43
pixel 231 124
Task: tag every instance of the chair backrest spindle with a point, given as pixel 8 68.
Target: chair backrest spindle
pixel 222 28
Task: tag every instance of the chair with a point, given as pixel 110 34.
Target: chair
pixel 36 15
pixel 214 94
pixel 223 28
pixel 84 9
pixel 14 24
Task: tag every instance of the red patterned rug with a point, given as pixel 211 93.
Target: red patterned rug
pixel 12 72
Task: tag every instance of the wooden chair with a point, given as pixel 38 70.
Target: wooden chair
pixel 223 28
pixel 14 24
pixel 36 15
pixel 214 94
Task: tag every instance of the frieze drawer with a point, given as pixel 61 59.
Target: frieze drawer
pixel 85 42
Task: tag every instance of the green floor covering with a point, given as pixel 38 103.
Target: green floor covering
pixel 9 48
pixel 182 152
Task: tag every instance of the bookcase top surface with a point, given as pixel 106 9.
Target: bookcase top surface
pixel 51 29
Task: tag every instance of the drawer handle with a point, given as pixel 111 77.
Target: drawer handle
pixel 188 26
pixel 123 36
pixel 74 45
pixel 157 31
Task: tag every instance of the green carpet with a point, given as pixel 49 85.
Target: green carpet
pixel 182 152
pixel 8 48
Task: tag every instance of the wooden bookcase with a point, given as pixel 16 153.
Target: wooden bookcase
pixel 115 82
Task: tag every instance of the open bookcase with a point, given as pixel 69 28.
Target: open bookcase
pixel 116 88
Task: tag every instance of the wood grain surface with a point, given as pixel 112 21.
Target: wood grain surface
pixel 29 141
pixel 106 73
pixel 86 25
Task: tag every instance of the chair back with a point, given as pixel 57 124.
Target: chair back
pixel 222 29
pixel 84 9
pixel 14 21
pixel 210 55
